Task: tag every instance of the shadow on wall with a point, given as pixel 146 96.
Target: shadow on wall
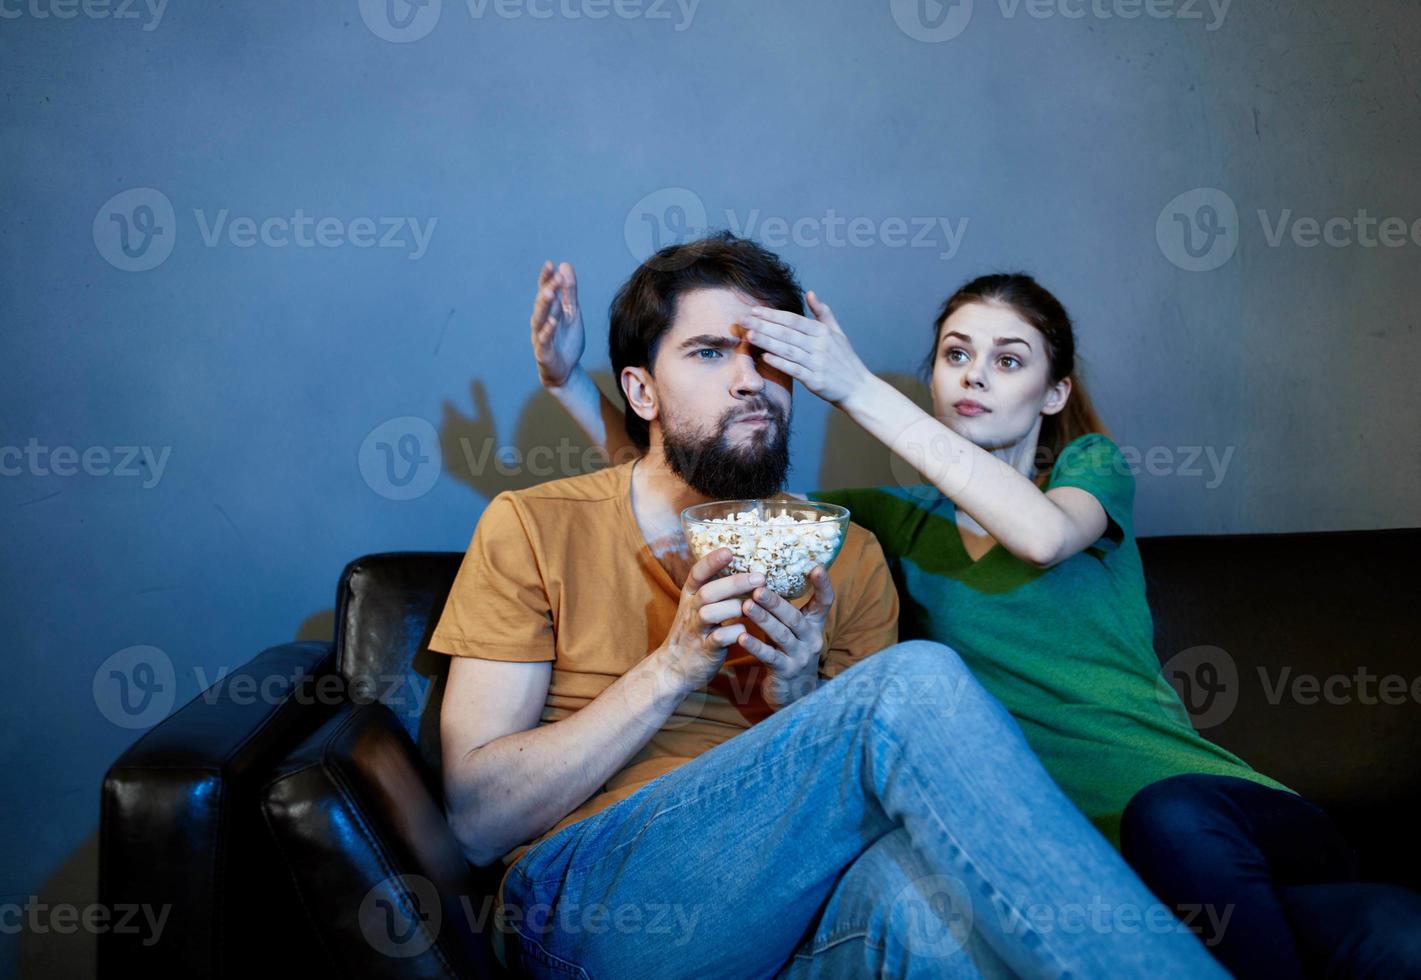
pixel 548 445
pixel 52 953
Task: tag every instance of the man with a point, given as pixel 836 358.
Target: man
pixel 687 775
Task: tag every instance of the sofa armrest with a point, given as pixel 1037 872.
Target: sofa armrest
pixel 359 821
pixel 180 831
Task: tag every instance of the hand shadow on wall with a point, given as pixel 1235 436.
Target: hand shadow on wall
pixel 545 445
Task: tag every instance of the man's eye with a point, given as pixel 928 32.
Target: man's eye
pixel 706 350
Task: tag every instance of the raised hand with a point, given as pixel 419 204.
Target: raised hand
pixel 557 333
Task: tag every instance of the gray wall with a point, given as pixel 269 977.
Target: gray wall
pixel 264 379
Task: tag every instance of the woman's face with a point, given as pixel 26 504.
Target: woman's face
pixel 987 354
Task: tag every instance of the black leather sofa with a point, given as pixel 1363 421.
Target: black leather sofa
pixel 301 832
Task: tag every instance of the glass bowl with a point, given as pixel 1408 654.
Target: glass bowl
pixel 781 539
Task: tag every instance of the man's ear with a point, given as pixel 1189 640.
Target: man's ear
pixel 1057 396
pixel 640 388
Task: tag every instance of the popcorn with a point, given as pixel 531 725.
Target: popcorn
pixel 783 548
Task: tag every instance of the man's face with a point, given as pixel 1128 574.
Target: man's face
pixel 723 415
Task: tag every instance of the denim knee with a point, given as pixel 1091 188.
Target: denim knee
pixel 917 684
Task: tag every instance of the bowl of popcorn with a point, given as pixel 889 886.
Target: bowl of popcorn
pixel 781 539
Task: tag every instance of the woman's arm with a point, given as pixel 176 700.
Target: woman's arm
pixel 558 341
pixel 1040 528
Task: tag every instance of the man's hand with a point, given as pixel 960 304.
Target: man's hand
pixel 558 337
pixel 696 645
pixel 798 635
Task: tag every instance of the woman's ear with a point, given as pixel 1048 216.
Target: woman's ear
pixel 1057 396
pixel 640 389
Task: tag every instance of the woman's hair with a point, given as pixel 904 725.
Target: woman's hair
pixel 1031 301
pixel 645 307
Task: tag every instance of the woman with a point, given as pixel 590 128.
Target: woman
pixel 1034 576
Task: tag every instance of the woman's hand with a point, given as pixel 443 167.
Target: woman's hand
pixel 816 353
pixel 558 337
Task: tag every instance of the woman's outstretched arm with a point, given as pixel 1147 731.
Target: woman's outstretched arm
pixel 558 342
pixel 1040 528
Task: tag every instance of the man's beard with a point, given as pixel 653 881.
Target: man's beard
pixel 713 467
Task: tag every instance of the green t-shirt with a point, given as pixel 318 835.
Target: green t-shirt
pixel 1068 650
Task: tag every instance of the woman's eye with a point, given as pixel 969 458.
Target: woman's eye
pixel 1013 360
pixel 951 354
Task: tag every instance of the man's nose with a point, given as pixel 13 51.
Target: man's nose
pixel 748 380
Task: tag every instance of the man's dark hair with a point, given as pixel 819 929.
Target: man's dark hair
pixel 645 307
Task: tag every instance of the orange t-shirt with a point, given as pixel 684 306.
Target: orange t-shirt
pixel 560 572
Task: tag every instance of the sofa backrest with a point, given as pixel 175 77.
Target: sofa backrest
pixel 1296 651
pixel 1299 652
pixel 387 606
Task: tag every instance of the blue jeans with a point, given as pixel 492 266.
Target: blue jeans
pixel 892 823
pixel 1282 873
